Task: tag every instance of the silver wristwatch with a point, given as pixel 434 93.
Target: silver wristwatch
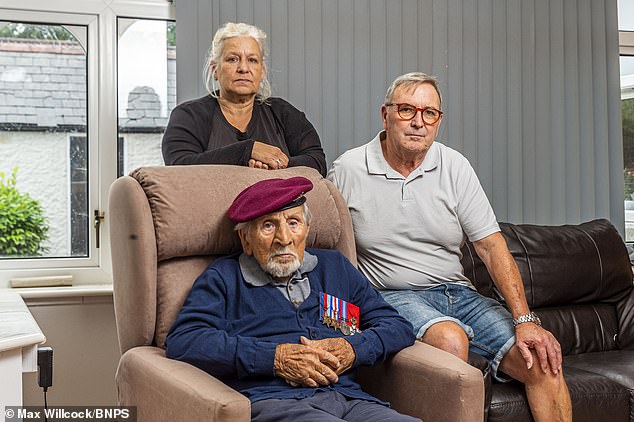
pixel 532 317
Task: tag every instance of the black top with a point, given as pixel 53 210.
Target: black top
pixel 198 133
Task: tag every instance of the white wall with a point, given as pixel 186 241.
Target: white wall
pixel 142 149
pixel 83 335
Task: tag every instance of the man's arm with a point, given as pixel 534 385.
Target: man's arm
pixel 500 263
pixel 199 336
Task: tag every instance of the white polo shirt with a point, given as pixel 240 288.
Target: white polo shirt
pixel 409 230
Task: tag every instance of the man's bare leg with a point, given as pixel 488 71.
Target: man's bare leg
pixel 450 337
pixel 547 394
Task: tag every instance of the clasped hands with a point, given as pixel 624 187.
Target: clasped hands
pixel 313 362
pixel 265 156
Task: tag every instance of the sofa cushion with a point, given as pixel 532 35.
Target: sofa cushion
pixel 625 312
pixel 618 366
pixel 584 328
pixel 561 265
pixel 593 396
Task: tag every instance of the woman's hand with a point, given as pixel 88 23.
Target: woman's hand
pixel 257 164
pixel 267 157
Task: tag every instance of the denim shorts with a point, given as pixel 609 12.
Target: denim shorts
pixel 488 325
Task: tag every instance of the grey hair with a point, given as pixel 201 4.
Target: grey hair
pixel 246 225
pixel 412 79
pixel 230 30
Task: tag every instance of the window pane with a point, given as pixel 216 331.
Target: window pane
pixel 147 89
pixel 626 15
pixel 627 110
pixel 43 141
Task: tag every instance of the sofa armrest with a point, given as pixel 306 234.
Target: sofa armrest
pixel 428 383
pixel 168 390
pixel 625 314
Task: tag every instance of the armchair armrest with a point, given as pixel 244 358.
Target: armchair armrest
pixel 428 383
pixel 168 390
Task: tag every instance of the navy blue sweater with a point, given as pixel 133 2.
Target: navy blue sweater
pixel 230 329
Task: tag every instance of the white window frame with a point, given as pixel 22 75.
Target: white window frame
pixel 100 16
pixel 626 43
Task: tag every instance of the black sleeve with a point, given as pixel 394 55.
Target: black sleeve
pixel 187 135
pixel 300 136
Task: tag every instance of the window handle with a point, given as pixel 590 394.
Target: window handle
pixel 99 216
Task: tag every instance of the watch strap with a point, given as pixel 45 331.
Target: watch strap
pixel 532 317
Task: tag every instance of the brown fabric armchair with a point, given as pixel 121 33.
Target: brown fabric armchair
pixel 167 224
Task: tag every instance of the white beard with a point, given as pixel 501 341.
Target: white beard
pixel 282 270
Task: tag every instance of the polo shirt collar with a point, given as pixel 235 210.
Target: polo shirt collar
pixel 378 165
pixel 255 276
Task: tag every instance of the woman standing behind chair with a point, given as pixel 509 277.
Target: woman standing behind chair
pixel 239 122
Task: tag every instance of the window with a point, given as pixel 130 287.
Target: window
pixel 64 134
pixel 45 65
pixel 627 115
pixel 43 84
pixel 626 41
pixel 147 89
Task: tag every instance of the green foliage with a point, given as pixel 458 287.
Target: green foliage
pixel 38 32
pixel 628 178
pixel 23 226
pixel 627 111
pixel 171 34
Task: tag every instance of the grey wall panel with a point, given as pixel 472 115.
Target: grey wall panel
pixel 557 132
pixel 499 109
pixel 530 87
pixel 278 37
pixel 344 90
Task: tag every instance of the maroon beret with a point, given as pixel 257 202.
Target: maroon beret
pixel 267 196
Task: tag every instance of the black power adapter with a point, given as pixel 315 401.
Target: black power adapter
pixel 45 367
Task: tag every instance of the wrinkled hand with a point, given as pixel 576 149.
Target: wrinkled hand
pixel 338 347
pixel 531 336
pixel 257 164
pixel 299 364
pixel 268 155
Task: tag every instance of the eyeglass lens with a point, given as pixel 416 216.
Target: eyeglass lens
pixel 408 112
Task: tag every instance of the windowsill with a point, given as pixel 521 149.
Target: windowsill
pixel 86 290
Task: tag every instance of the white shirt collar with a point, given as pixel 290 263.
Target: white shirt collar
pixel 378 165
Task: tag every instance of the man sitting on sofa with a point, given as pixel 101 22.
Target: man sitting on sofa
pixel 413 201
pixel 284 325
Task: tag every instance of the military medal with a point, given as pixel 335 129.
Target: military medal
pixel 339 314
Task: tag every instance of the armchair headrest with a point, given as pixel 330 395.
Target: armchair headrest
pixel 189 207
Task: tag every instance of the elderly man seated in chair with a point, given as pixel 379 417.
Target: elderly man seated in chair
pixel 285 325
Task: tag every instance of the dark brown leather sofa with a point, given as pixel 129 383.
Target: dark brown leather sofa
pixel 578 279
